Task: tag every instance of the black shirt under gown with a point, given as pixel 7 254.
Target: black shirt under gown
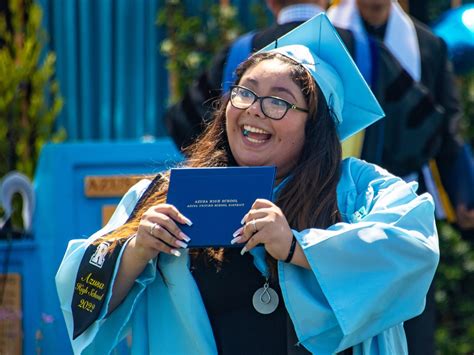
pixel 227 293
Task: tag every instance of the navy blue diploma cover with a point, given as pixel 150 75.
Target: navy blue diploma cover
pixel 216 199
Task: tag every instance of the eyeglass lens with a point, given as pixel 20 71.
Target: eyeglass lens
pixel 272 107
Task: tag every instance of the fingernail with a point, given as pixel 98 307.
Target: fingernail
pixel 235 240
pixel 237 232
pixel 184 237
pixel 187 221
pixel 243 251
pixel 243 220
pixel 175 252
pixel 180 244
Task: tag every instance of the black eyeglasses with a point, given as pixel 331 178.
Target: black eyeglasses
pixel 272 107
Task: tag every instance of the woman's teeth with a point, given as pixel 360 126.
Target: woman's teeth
pixel 255 135
pixel 255 140
pixel 254 129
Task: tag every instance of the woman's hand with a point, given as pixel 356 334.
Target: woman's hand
pixel 158 232
pixel 265 224
pixel 465 217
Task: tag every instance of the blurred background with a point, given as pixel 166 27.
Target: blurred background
pixel 95 77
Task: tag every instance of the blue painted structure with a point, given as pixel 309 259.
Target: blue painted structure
pixel 109 67
pixel 63 212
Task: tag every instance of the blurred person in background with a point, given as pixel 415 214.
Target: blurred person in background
pixel 422 104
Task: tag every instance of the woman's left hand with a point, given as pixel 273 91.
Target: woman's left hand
pixel 265 224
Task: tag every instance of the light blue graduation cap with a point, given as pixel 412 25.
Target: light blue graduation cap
pixel 317 46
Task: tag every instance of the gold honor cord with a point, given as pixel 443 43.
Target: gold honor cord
pixel 443 195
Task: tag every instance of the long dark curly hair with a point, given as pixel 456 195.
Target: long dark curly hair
pixel 309 198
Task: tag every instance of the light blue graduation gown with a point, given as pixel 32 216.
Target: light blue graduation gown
pixel 368 275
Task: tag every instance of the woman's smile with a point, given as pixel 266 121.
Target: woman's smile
pixel 255 135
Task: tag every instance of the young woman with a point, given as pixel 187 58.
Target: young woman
pixel 345 253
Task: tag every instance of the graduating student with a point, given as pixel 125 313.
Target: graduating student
pixel 345 252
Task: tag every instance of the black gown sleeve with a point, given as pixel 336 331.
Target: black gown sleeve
pixel 447 95
pixel 186 119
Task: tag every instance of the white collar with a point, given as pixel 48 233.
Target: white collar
pixel 400 36
pixel 298 13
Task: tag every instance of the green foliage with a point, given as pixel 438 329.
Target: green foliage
pixel 192 40
pixel 454 293
pixel 29 98
pixel 467 94
pixel 260 16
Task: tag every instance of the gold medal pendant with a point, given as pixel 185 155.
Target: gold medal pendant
pixel 265 300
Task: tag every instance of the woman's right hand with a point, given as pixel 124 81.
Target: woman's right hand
pixel 159 232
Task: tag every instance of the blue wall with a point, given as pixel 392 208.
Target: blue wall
pixel 109 67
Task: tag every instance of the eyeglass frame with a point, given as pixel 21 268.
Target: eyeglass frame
pixel 289 106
